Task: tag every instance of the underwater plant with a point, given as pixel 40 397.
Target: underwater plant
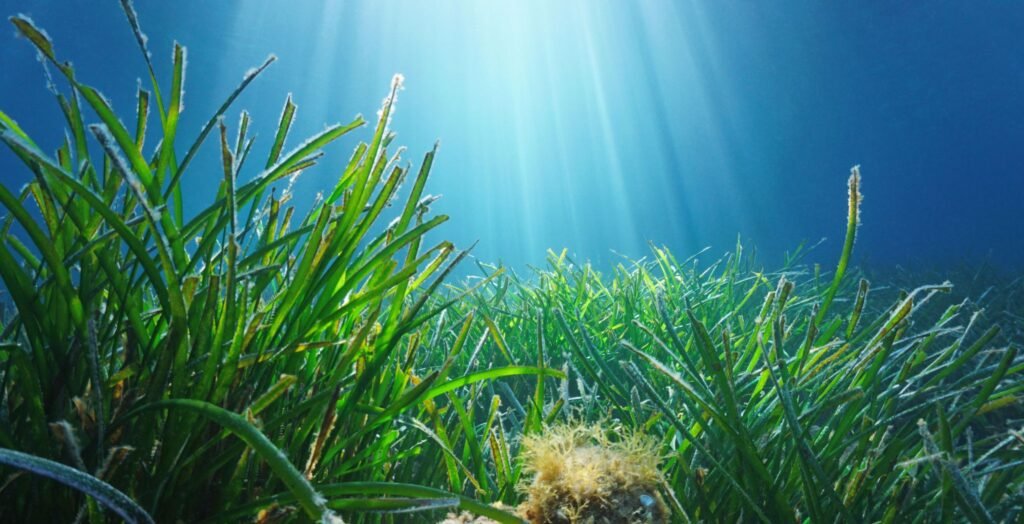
pixel 782 396
pixel 575 473
pixel 243 362
pixel 581 475
pixel 132 356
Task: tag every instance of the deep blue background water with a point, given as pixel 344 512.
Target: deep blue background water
pixel 600 126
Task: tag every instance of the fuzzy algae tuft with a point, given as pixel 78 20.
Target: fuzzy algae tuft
pixel 576 474
pixel 580 475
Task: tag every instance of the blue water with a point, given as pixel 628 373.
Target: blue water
pixel 600 126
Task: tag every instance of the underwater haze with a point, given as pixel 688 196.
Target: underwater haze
pixel 600 126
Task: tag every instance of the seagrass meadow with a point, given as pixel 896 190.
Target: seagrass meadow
pixel 264 360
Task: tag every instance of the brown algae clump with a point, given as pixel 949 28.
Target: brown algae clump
pixel 576 474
